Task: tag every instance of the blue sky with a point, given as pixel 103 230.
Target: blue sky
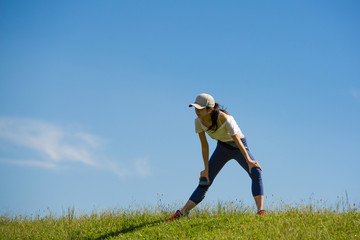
pixel 94 100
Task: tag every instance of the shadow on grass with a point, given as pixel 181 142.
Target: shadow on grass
pixel 128 229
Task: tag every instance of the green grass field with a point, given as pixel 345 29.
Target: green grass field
pixel 221 221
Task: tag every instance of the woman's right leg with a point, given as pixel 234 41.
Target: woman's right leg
pixel 188 206
pixel 216 163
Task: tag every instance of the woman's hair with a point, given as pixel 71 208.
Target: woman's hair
pixel 214 116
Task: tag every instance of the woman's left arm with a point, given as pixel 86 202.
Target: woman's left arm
pixel 251 163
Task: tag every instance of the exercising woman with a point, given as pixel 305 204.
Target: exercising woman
pixel 221 126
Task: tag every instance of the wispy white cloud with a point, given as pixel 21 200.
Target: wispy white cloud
pixel 56 147
pixel 355 93
pixel 351 93
pixel 53 143
pixel 33 163
pixel 142 167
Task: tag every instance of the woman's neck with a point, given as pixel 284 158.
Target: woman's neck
pixel 206 119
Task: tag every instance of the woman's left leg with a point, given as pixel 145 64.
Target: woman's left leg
pixel 257 188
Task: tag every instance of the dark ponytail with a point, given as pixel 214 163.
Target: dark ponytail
pixel 214 116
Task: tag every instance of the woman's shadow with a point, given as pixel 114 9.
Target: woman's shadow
pixel 128 229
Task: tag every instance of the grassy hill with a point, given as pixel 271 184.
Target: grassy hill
pixel 224 221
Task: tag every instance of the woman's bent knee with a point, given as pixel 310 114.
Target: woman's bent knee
pixel 255 173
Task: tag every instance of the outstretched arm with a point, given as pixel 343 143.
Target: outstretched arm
pixel 251 163
pixel 205 155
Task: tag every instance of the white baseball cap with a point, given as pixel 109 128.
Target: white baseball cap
pixel 202 101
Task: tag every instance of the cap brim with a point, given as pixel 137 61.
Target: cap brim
pixel 197 106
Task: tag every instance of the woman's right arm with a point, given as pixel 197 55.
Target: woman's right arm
pixel 205 155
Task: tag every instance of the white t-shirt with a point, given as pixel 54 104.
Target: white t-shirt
pixel 224 132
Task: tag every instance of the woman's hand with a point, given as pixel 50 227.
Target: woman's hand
pixel 204 173
pixel 253 164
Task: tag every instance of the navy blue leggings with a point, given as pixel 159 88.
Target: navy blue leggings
pixel 222 154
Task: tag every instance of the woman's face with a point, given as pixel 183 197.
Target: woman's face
pixel 202 112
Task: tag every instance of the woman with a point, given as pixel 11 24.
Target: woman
pixel 221 126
